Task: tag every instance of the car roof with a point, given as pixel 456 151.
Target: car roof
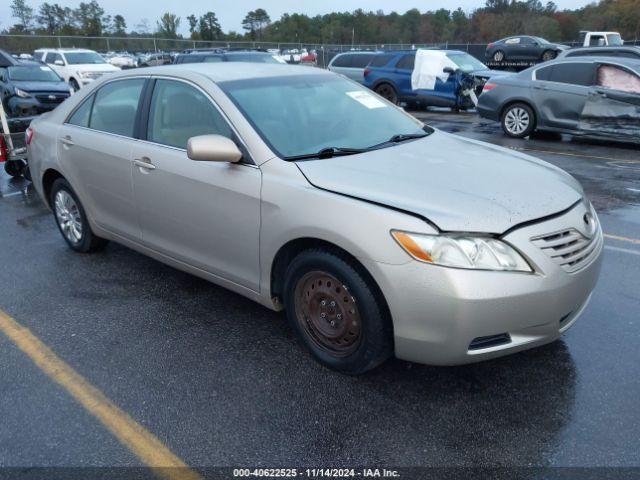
pixel 63 50
pixel 612 48
pixel 227 71
pixel 632 63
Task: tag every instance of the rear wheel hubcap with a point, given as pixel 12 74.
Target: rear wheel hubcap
pixel 68 216
pixel 517 121
pixel 328 313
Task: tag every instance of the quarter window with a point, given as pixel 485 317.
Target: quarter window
pixel 82 114
pixel 179 112
pixel 116 106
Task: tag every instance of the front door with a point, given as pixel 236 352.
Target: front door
pixel 205 214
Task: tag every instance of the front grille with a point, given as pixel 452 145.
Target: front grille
pixel 52 97
pixel 569 248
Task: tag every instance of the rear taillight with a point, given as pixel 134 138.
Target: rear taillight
pixel 366 72
pixel 3 149
pixel 488 87
pixel 490 45
pixel 28 136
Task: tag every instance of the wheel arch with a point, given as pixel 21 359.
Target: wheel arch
pixel 294 247
pixel 48 178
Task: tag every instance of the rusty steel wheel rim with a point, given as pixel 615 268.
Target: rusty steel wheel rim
pixel 328 313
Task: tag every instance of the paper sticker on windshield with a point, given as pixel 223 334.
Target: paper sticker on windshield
pixel 366 99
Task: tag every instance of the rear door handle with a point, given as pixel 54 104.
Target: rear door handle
pixel 67 141
pixel 144 162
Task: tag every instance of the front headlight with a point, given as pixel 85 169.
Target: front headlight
pixel 22 93
pixel 462 251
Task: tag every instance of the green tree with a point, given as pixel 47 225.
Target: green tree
pixel 24 13
pixel 193 26
pixel 210 27
pixel 119 25
pixel 89 18
pixel 47 18
pixel 255 22
pixel 167 26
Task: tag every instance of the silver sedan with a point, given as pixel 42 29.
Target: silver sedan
pixel 306 192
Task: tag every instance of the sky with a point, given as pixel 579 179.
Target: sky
pixel 231 13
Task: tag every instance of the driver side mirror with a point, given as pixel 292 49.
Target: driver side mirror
pixel 60 63
pixel 449 70
pixel 213 148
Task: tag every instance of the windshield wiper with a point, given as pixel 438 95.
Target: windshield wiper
pixel 400 137
pixel 328 152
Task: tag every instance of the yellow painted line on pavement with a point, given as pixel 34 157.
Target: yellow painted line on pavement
pixel 635 241
pixel 149 449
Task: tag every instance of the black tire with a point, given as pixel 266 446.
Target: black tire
pixel 14 168
pixel 88 241
pixel 506 120
pixel 355 292
pixel 498 56
pixel 74 84
pixel 548 55
pixel 388 92
pixel 26 173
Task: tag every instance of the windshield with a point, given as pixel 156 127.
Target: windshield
pixel 614 39
pixel 253 58
pixel 304 114
pixel 33 74
pixel 80 58
pixel 466 62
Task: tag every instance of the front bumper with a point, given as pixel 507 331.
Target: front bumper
pixel 24 107
pixel 441 315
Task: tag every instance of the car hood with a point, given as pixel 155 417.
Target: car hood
pixel 456 183
pixel 41 86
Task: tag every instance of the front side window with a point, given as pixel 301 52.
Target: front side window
pixel 342 61
pixel 303 114
pixel 617 78
pixel 116 106
pixel 52 57
pixel 596 41
pixel 179 112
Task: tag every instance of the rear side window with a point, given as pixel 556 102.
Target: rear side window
pixel 573 73
pixel 179 112
pixel 406 62
pixel 342 61
pixel 380 60
pixel 81 116
pixel 115 107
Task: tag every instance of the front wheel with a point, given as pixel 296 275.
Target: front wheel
pixel 498 56
pixel 337 311
pixel 72 219
pixel 387 92
pixel 74 84
pixel 518 120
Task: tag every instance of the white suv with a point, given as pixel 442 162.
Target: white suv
pixel 77 66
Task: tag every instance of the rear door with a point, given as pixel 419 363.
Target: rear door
pixel 205 214
pixel 560 92
pixel 613 105
pixel 94 148
pixel 402 77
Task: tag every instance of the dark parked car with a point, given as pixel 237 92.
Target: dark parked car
pixel 595 96
pixel 29 88
pixel 213 56
pixel 523 48
pixel 614 51
pixel 389 75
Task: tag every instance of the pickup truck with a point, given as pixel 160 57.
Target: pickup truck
pixel 600 39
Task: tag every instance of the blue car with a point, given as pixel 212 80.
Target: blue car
pixel 389 75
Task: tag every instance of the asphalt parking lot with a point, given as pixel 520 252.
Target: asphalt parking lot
pixel 221 381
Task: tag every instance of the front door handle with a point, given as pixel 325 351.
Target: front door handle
pixel 67 141
pixel 144 162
